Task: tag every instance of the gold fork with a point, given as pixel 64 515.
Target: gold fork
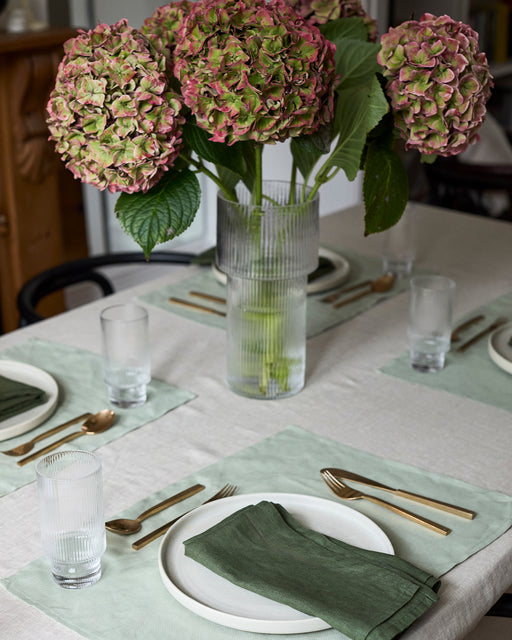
pixel 345 492
pixel 226 491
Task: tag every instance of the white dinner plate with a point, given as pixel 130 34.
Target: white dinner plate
pixel 216 599
pixel 23 422
pixel 499 347
pixel 323 283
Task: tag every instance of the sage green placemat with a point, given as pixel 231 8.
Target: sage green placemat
pixel 131 596
pixel 320 315
pixel 471 374
pixel 79 376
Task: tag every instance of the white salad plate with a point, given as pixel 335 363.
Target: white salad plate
pixel 218 600
pixel 500 348
pixel 328 281
pixel 27 373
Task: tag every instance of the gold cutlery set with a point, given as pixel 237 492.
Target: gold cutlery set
pixel 380 285
pixel 93 424
pixel 334 479
pixel 489 329
pixel 127 526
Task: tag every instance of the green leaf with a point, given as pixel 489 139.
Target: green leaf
pixel 385 188
pixel 218 153
pixel 305 155
pixel 344 28
pixel 163 212
pixel 356 62
pixel 358 111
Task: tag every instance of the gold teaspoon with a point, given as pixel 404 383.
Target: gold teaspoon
pixel 101 421
pixel 380 285
pixel 126 526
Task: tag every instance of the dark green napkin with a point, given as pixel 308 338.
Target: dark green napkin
pixel 364 594
pixel 17 397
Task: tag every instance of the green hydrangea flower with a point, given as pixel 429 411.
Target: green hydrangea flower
pixel 113 119
pixel 252 70
pixel 438 83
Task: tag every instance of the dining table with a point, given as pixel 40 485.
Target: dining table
pixel 358 400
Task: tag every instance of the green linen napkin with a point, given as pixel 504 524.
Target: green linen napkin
pixel 367 595
pixel 17 397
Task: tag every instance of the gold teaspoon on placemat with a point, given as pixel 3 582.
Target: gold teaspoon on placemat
pixel 380 285
pixel 126 526
pixel 95 424
pixel 24 448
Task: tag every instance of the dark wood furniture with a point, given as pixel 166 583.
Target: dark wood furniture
pixel 41 207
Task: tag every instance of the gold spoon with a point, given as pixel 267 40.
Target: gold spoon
pixel 24 448
pixel 380 285
pixel 101 421
pixel 125 526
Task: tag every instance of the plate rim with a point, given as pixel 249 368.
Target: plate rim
pixel 42 412
pixel 280 627
pixel 496 357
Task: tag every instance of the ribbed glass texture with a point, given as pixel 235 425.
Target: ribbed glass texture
pixel 274 240
pixel 267 252
pixel 71 512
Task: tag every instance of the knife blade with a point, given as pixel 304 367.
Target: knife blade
pixel 431 502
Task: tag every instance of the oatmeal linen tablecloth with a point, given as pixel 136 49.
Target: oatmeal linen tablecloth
pixel 346 398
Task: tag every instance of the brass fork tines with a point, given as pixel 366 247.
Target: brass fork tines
pixel 226 491
pixel 345 492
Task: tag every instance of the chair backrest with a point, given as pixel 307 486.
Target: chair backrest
pixel 471 187
pixel 83 270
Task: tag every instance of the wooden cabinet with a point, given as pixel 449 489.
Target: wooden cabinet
pixel 41 207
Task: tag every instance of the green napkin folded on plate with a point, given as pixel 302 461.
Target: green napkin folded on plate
pixel 17 397
pixel 364 594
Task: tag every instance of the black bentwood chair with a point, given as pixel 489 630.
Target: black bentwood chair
pixel 83 270
pixel 469 187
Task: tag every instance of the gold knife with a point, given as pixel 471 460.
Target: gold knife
pixel 431 502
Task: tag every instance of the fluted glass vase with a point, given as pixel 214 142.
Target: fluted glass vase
pixel 267 252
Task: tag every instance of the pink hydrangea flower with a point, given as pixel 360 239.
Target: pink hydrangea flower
pixel 438 83
pixel 111 115
pixel 252 70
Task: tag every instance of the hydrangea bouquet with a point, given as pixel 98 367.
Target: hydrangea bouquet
pixel 204 86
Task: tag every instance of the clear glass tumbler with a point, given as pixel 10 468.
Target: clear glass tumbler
pixel 430 321
pixel 399 244
pixel 71 511
pixel 126 356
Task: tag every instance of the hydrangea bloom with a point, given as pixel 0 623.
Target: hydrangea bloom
pixel 321 11
pixel 438 83
pixel 252 70
pixel 162 26
pixel 113 120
